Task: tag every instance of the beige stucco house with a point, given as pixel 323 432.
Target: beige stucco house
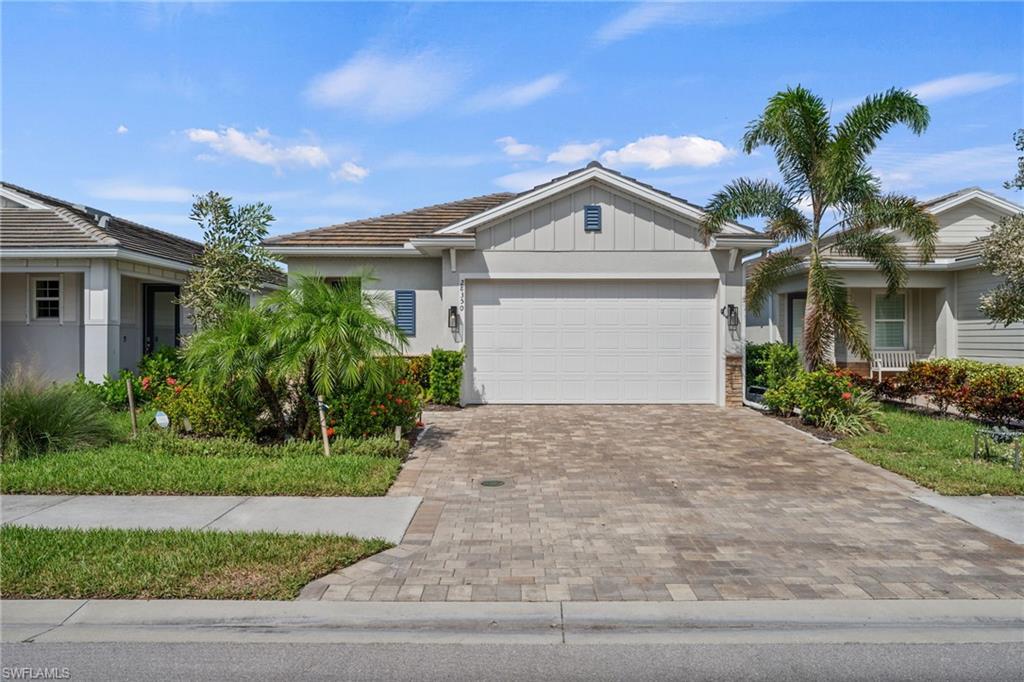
pixel 936 315
pixel 82 291
pixel 590 288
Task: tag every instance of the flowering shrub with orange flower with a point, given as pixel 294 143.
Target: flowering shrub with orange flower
pixel 830 398
pixel 375 411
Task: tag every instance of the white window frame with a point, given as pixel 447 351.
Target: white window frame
pixel 875 293
pixel 35 298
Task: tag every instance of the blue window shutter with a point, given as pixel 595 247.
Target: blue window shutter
pixel 592 218
pixel 405 311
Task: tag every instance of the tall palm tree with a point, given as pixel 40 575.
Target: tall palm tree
pixel 330 338
pixel 824 168
pixel 233 354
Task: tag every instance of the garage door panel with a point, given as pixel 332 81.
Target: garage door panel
pixel 592 341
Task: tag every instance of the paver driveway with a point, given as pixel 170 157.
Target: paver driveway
pixel 659 503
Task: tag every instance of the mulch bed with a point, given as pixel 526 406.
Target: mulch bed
pixel 797 423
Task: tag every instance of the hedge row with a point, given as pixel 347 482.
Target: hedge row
pixel 987 391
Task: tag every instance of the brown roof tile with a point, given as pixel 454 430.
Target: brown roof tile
pixel 393 229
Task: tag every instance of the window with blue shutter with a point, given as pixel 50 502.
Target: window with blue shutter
pixel 405 311
pixel 592 218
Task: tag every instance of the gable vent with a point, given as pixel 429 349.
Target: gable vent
pixel 592 218
pixel 405 311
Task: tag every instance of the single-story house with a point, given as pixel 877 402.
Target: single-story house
pixel 84 291
pixel 590 288
pixel 936 315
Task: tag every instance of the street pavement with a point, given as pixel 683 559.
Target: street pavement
pixel 484 662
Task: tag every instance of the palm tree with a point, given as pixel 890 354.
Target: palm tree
pixel 233 354
pixel 825 169
pixel 329 338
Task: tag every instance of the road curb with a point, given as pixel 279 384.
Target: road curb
pixel 540 622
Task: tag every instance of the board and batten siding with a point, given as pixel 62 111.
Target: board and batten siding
pixel 978 338
pixel 557 225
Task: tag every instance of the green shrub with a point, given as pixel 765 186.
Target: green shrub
pixel 169 444
pixel 208 412
pixel 36 417
pixel 771 364
pixel 446 376
pixel 782 363
pixel 827 398
pixel 157 366
pixel 376 411
pixel 419 368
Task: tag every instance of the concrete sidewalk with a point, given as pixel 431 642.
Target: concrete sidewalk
pixel 367 517
pixel 1002 516
pixel 851 621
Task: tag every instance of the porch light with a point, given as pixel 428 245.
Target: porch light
pixel 453 318
pixel 732 314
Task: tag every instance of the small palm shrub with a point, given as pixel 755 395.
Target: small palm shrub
pixel 36 417
pixel 446 376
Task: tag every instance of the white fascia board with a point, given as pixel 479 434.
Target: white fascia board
pixel 20 198
pixel 913 265
pixel 283 252
pixel 749 243
pixel 454 242
pixel 988 198
pixel 548 191
pixel 103 252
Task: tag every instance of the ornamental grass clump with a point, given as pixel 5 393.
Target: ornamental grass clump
pixel 38 417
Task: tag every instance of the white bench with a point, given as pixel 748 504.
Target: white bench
pixel 891 361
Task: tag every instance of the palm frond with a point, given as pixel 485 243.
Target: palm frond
pixel 861 130
pixel 829 316
pixel 879 248
pixel 744 198
pixel 766 276
pixel 795 124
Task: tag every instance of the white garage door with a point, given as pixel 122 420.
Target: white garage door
pixel 591 342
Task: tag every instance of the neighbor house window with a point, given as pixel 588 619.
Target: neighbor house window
pixel 46 293
pixel 891 321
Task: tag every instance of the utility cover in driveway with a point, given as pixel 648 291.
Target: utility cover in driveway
pixel 591 342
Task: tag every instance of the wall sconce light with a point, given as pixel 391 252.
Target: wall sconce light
pixel 453 318
pixel 732 314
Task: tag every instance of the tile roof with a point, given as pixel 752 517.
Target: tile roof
pixel 398 228
pixel 67 225
pixel 394 229
pixel 64 224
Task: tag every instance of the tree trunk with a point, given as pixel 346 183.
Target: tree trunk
pixel 273 402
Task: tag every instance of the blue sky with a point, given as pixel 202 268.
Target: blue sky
pixel 331 111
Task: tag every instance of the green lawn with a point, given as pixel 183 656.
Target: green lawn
pixel 163 464
pixel 41 563
pixel 935 453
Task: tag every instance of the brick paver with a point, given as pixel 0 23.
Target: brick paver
pixel 663 503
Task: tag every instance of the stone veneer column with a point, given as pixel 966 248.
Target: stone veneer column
pixel 734 381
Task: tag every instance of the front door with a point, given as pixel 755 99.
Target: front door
pixel 161 316
pixel 797 308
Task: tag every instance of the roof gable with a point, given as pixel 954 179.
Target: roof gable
pixel 594 171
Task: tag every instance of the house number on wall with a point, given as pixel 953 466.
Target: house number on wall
pixel 462 295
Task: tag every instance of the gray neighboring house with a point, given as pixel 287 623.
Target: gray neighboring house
pixel 936 315
pixel 84 291
pixel 590 288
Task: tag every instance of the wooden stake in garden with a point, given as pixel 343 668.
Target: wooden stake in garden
pixel 131 407
pixel 323 424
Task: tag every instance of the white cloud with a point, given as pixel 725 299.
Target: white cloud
pixel 517 182
pixel 350 172
pixel 121 129
pixel 962 84
pixel 258 147
pixel 633 21
pixel 515 96
pixel 960 168
pixel 516 149
pixel 643 17
pixel 128 190
pixel 386 87
pixel 576 152
pixel 662 151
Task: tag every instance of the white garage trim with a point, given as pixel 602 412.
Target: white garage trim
pixel 591 340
